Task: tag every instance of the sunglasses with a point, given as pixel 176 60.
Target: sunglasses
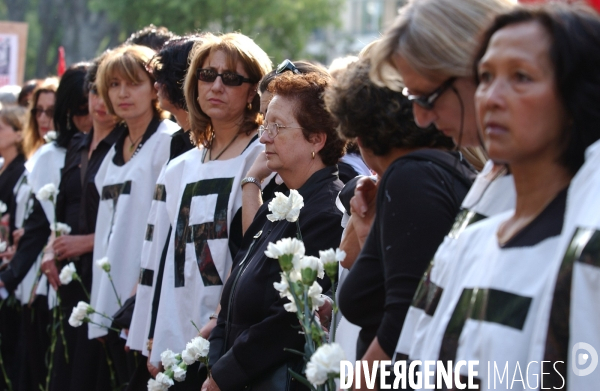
pixel 427 101
pixel 286 65
pixel 38 111
pixel 230 79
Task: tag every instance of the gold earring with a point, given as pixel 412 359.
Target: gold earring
pixel 313 154
pixel 249 107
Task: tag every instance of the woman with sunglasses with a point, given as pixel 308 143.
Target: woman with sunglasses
pixel 253 328
pixel 430 49
pixel 203 193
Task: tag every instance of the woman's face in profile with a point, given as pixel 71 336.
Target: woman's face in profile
pixel 517 103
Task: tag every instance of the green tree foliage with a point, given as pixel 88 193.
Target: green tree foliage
pixel 280 27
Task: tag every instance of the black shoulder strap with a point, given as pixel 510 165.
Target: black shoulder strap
pixel 458 166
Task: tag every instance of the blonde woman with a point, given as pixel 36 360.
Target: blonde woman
pixel 430 49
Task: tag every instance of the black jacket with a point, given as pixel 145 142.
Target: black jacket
pixel 260 328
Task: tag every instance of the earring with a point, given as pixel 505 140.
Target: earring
pixel 69 120
pixel 198 100
pixel 249 107
pixel 313 154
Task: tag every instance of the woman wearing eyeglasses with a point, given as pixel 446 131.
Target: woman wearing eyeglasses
pixel 253 328
pixel 430 48
pixel 203 192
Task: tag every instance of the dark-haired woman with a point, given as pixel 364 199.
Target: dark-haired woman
pixel 509 275
pixel 421 186
pixel 77 205
pixel 70 116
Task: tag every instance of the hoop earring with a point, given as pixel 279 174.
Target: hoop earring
pixel 69 120
pixel 313 154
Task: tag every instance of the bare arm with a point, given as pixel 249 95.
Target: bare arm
pixel 251 193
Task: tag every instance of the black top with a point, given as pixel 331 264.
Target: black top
pixel 78 198
pixel 8 181
pixel 260 327
pixel 417 202
pixel 180 143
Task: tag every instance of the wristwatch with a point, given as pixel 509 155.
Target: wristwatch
pixel 250 179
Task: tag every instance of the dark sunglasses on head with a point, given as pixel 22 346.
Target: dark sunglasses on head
pixel 38 111
pixel 427 101
pixel 229 78
pixel 286 65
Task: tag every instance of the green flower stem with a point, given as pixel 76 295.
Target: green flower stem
pixel 6 379
pixel 76 277
pixel 298 232
pixel 103 315
pixel 114 289
pixel 52 347
pixel 113 379
pixel 194 324
pixel 61 327
pixel 88 320
pixel 335 311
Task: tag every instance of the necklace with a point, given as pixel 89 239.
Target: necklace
pixel 224 149
pixel 133 143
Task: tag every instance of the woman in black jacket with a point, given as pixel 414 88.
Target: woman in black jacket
pixel 302 146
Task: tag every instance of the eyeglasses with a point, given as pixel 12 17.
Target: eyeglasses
pixel 286 65
pixel 229 78
pixel 38 111
pixel 272 129
pixel 427 101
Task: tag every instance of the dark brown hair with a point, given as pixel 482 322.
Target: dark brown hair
pixel 307 90
pixel 574 32
pixel 382 118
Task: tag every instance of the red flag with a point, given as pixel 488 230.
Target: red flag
pixel 62 66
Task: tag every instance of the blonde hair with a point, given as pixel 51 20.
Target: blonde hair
pixel 32 139
pixel 125 61
pixel 237 47
pixel 437 38
pixel 14 116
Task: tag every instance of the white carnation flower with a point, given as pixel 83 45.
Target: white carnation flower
pixel 282 287
pixel 103 264
pixel 325 362
pixel 47 192
pixel 165 380
pixel 332 256
pixel 3 207
pixel 80 313
pixel 187 357
pixel 50 136
pixel 291 246
pixel 66 274
pixel 285 208
pixel 3 246
pixel 197 348
pixel 153 385
pixel 168 359
pixel 310 267
pixel 179 373
pixel 62 228
pixel 290 307
pixel 314 293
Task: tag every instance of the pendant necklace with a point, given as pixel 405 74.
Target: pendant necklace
pixel 224 149
pixel 133 143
